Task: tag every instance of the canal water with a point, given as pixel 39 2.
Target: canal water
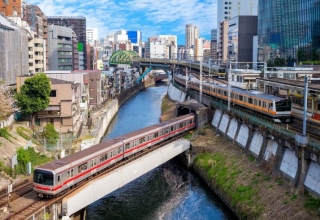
pixel 170 191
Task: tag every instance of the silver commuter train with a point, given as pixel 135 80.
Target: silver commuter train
pixel 276 108
pixel 55 177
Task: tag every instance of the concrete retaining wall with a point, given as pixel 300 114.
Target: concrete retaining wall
pixel 176 94
pixel 297 169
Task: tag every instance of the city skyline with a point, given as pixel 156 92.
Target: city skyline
pixel 150 17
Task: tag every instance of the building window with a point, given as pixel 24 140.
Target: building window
pixel 53 93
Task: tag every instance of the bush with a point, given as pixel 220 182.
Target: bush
pixel 50 134
pixel 5 134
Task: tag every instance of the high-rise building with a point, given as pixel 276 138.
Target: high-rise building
pixel 11 8
pixel 192 33
pixel 229 9
pixel 91 35
pixel 213 45
pixel 223 44
pixel 241 31
pixel 136 40
pixel 14 52
pixel 60 48
pixel 38 23
pixel 289 30
pixel 78 25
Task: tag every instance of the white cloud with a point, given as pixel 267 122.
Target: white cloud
pixel 149 16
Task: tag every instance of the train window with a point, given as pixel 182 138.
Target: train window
pixel 172 129
pixel 119 150
pixel 155 135
pixel 255 102
pixel 219 92
pixel 127 146
pixel 111 154
pixel 225 93
pixel 91 163
pixel 245 99
pixel 264 105
pixel 68 174
pixel 236 96
pixel 185 123
pixel 259 102
pixel 270 105
pixel 250 100
pixel 95 161
pixel 58 178
pixel 240 97
pixel 181 125
pixel 71 173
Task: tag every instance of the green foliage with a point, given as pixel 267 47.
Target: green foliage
pixel 224 176
pixel 50 134
pixel 29 155
pixel 188 136
pixel 24 133
pixel 276 62
pixel 251 158
pixel 5 134
pixel 34 94
pixel 312 203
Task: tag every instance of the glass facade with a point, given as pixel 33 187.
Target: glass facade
pixel 289 29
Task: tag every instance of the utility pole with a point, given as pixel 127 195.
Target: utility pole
pixel 200 80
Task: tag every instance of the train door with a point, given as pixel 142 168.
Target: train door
pixel 59 179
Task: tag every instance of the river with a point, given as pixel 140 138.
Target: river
pixel 170 191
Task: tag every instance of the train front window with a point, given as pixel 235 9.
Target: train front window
pixel 284 105
pixel 43 177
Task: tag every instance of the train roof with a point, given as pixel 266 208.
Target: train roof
pixel 95 150
pixel 252 93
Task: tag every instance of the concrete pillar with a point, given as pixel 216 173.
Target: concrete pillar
pixel 250 135
pixel 279 156
pixel 237 132
pixel 301 143
pixel 263 146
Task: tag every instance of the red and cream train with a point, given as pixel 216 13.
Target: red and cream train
pixel 55 177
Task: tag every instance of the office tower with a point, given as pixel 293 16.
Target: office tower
pixel 10 8
pixel 136 40
pixel 228 9
pixel 60 48
pixel 241 31
pixel 289 29
pixel 78 25
pixel 91 35
pixel 192 33
pixel 213 45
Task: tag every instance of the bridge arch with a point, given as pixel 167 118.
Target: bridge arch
pixel 123 57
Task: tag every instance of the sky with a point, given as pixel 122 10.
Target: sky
pixel 151 17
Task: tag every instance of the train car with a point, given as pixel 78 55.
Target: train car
pixel 55 177
pixel 276 108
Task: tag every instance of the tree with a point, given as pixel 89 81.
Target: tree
pixel 50 134
pixel 34 95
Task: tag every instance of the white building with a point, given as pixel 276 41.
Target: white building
pixel 192 33
pixel 91 35
pixel 172 43
pixel 120 36
pixel 231 8
pixel 198 49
